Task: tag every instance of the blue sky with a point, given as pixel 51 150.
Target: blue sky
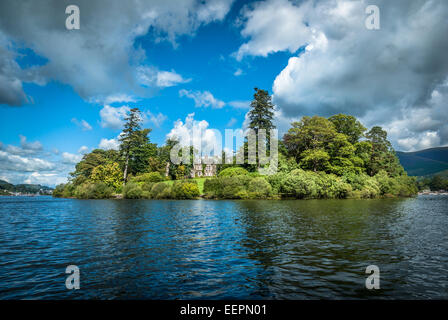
pixel 63 93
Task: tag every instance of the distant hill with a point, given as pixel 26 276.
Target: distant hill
pixel 425 162
pixel 23 188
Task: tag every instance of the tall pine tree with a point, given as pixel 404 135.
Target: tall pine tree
pixel 127 138
pixel 261 116
pixel 262 112
pixel 135 147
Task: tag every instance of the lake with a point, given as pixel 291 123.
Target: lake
pixel 149 249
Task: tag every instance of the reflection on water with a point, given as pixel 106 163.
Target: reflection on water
pixel 223 249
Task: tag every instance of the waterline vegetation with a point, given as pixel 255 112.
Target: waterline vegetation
pixel 318 158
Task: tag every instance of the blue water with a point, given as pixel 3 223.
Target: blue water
pixel 148 249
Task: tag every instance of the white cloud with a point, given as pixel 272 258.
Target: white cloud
pixel 109 144
pixel 113 118
pixel 240 104
pixel 117 98
pixel 156 120
pixel 46 179
pixel 31 163
pixel 272 26
pixel 150 76
pixel 12 162
pixel 33 146
pixel 184 132
pixel 231 122
pixel 202 99
pixel 83 150
pixel 70 158
pixel 83 124
pixel 238 72
pixel 26 148
pixel 169 79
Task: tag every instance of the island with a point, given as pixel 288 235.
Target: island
pixel 318 158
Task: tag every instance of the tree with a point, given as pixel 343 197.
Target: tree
pixel 128 136
pixel 135 147
pixel 315 159
pixel 349 126
pixel 109 173
pixel 309 133
pixel 438 183
pixel 261 116
pixel 262 112
pixel 342 154
pixel 84 168
pixel 141 152
pixel 383 156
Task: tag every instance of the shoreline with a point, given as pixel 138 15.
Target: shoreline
pixel 224 199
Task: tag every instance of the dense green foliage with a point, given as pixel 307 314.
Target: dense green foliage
pixel 233 171
pixel 148 177
pixel 185 189
pixel 435 183
pixel 108 173
pixel 88 190
pixel 135 148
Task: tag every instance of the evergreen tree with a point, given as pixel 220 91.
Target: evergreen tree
pixel 135 147
pixel 261 116
pixel 262 112
pixel 383 156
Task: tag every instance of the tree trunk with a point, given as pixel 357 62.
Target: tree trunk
pixel 125 174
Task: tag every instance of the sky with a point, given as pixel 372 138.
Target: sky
pixel 191 63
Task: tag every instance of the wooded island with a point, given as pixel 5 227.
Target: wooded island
pixel 318 158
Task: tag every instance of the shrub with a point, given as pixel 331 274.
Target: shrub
pixel 233 171
pixel 227 187
pixel 275 181
pixel 357 181
pixel 299 184
pixel 331 187
pixel 59 191
pixel 386 185
pixel 69 190
pixel 185 189
pixel 211 187
pixel 148 177
pixel 64 190
pixel 259 188
pixel 161 190
pixel 233 187
pixel 407 186
pixel 371 189
pixel 147 186
pixel 98 190
pixel 132 191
